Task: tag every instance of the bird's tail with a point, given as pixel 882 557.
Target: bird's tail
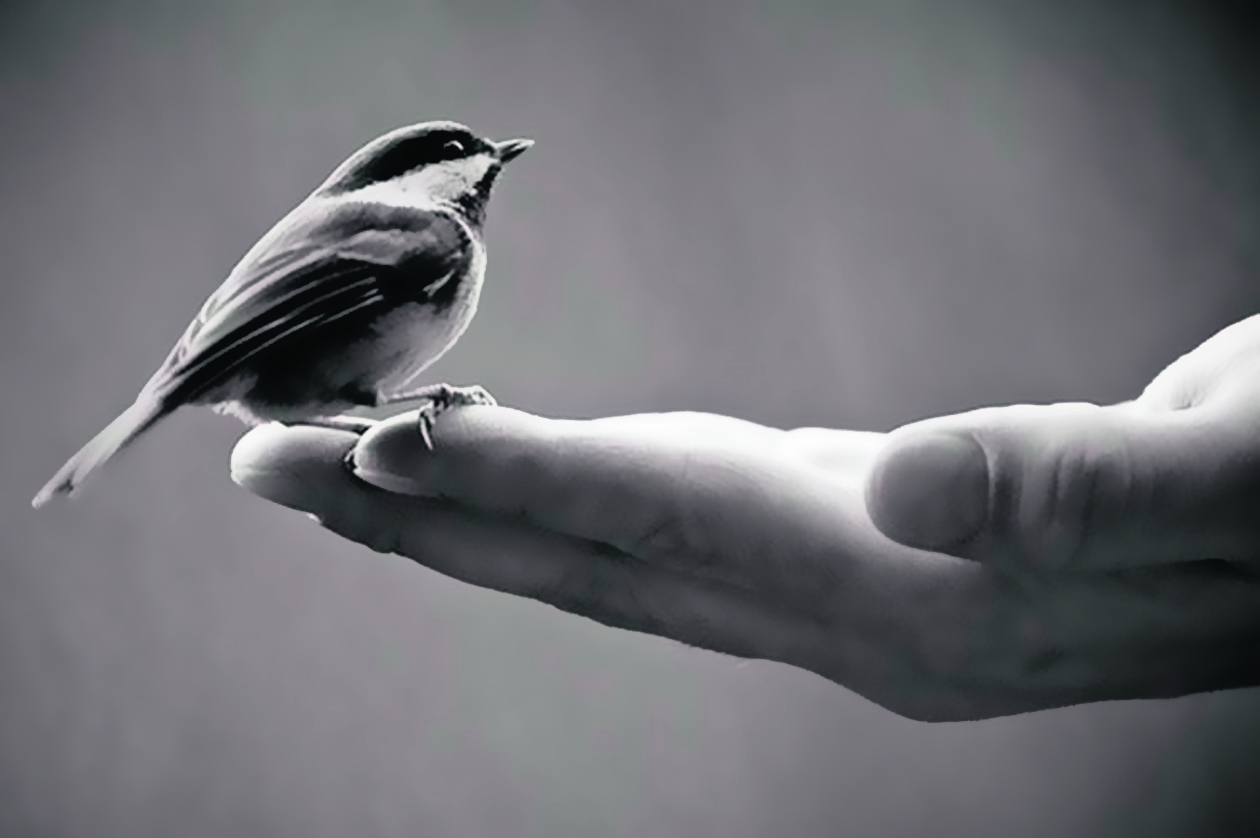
pixel 132 422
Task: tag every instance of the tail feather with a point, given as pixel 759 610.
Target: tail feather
pixel 132 422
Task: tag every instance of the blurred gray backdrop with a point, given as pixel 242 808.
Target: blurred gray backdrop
pixel 849 214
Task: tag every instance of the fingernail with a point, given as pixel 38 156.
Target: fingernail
pixel 388 457
pixel 389 482
pixel 931 491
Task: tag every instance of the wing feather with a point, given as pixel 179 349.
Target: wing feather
pixel 312 270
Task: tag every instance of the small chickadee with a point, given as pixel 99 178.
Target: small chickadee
pixel 351 295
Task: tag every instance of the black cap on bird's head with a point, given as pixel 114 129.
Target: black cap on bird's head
pixel 445 160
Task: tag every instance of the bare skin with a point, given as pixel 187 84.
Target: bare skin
pixel 1112 551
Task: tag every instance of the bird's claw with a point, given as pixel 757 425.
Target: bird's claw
pixel 438 399
pixel 348 461
pixel 424 424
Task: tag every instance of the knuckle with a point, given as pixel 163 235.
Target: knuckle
pixel 668 527
pixel 1086 483
pixel 662 537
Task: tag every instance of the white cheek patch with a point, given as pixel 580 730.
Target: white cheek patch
pixel 447 180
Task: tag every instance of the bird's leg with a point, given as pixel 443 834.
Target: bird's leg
pixel 438 399
pixel 354 424
pixel 354 393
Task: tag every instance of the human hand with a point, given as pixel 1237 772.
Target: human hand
pixel 756 542
pixel 1171 477
pixel 1156 500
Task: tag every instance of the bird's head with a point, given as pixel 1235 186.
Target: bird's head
pixel 438 162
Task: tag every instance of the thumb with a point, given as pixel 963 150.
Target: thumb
pixel 1072 486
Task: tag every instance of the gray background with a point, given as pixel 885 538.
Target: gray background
pixel 802 213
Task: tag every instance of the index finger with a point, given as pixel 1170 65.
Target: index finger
pixel 711 494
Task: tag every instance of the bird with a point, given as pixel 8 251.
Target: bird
pixel 358 289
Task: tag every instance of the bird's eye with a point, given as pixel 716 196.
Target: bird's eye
pixel 453 147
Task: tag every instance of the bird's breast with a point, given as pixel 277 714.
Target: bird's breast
pixel 411 337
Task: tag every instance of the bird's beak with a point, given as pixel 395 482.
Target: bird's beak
pixel 508 149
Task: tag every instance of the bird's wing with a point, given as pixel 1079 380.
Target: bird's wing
pixel 320 264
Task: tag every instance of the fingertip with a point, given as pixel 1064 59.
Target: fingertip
pixel 256 448
pixel 286 464
pixel 929 490
pixel 393 455
pixel 388 455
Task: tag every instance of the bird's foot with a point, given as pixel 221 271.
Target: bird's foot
pixel 438 399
